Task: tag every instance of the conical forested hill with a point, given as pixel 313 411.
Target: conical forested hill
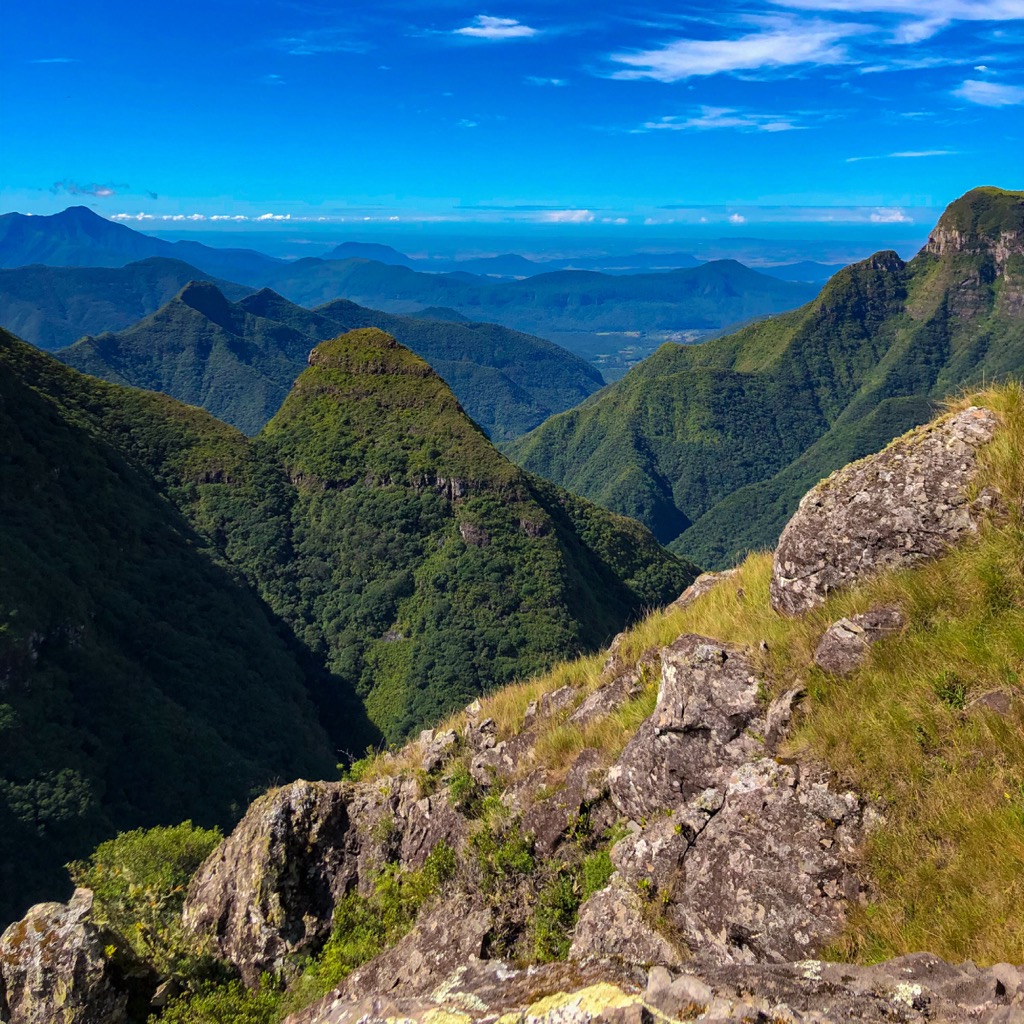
pixel 187 614
pixel 238 360
pixel 420 563
pixel 713 445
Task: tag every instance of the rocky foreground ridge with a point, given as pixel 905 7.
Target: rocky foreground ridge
pixel 731 859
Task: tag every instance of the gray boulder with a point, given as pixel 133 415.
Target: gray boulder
pixel 888 511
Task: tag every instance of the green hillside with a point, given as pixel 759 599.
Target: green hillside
pixel 187 615
pixel 239 360
pixel 713 445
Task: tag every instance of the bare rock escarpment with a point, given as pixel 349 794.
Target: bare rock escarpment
pixel 270 888
pixel 891 510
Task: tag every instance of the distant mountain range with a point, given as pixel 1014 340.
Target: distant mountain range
pixel 53 306
pixel 710 296
pixel 712 445
pixel 187 615
pixel 77 237
pixel 238 360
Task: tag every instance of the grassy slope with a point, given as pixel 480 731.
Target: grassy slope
pixel 121 639
pixel 713 445
pixel 947 862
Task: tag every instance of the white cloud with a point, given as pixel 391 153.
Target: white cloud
pixel 228 216
pixel 889 215
pixel 783 42
pixel 906 155
pixel 712 118
pixel 927 18
pixel 614 220
pixel 483 26
pixel 990 94
pixel 467 123
pixel 132 216
pixel 566 217
pixel 273 216
pixel 737 218
pixel 535 80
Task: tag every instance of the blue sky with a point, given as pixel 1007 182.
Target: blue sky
pixel 596 116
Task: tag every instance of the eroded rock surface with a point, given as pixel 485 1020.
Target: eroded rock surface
pixel 270 888
pixel 53 968
pixel 907 503
pixel 707 699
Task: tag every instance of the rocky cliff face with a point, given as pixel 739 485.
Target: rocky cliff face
pixel 733 859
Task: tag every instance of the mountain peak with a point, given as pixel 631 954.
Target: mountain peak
pixel 208 299
pixel 986 220
pixel 368 350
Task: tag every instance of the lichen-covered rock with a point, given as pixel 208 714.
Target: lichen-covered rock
pixel 846 644
pixel 919 989
pixel 707 699
pixel 269 889
pixel 890 510
pixel 611 923
pixel 53 969
pixel 486 990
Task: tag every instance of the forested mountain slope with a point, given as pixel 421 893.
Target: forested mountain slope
pixel 712 445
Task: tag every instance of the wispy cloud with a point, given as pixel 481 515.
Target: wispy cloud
pixel 465 122
pixel 566 217
pixel 73 188
pixel 272 80
pixel 889 215
pixel 716 118
pixel 323 40
pixel 905 155
pixel 783 41
pixel 55 60
pixel 924 19
pixel 535 80
pixel 990 94
pixel 483 26
pixel 737 218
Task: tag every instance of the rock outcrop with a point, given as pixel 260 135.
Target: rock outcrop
pixel 750 860
pixel 907 503
pixel 54 968
pixel 269 890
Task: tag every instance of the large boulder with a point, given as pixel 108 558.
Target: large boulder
pixel 707 699
pixel 269 890
pixel 907 503
pixel 54 969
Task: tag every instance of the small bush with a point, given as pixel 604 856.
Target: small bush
pixel 139 882
pixel 224 1004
